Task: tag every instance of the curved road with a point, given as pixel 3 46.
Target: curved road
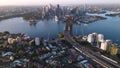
pixel 89 53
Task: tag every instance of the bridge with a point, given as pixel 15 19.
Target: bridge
pixel 96 57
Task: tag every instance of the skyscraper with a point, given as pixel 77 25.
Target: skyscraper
pixel 113 50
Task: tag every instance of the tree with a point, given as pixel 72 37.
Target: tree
pixel 6 32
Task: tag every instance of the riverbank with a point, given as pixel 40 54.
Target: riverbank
pixel 11 16
pixel 44 27
pixel 114 15
pixel 91 19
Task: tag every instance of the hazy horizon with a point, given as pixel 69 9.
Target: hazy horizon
pixel 44 2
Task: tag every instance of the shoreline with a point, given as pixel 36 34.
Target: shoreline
pixel 113 15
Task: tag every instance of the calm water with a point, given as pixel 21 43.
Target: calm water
pixel 40 29
pixel 109 27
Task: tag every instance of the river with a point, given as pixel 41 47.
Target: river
pixel 110 27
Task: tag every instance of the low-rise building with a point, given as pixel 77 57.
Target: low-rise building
pixel 10 40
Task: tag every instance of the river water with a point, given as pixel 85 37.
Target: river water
pixel 110 27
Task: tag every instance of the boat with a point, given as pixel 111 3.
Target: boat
pixel 78 22
pixel 32 21
pixel 85 24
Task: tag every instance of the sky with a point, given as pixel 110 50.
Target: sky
pixel 43 2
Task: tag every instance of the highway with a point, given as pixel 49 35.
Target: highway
pixel 89 53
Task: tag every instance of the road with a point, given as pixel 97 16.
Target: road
pixel 89 53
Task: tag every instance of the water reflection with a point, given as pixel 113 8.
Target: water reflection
pixel 109 27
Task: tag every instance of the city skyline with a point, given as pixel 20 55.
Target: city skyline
pixel 59 33
pixel 44 2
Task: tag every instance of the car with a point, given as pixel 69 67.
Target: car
pixel 80 58
pixel 87 65
pixel 84 61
